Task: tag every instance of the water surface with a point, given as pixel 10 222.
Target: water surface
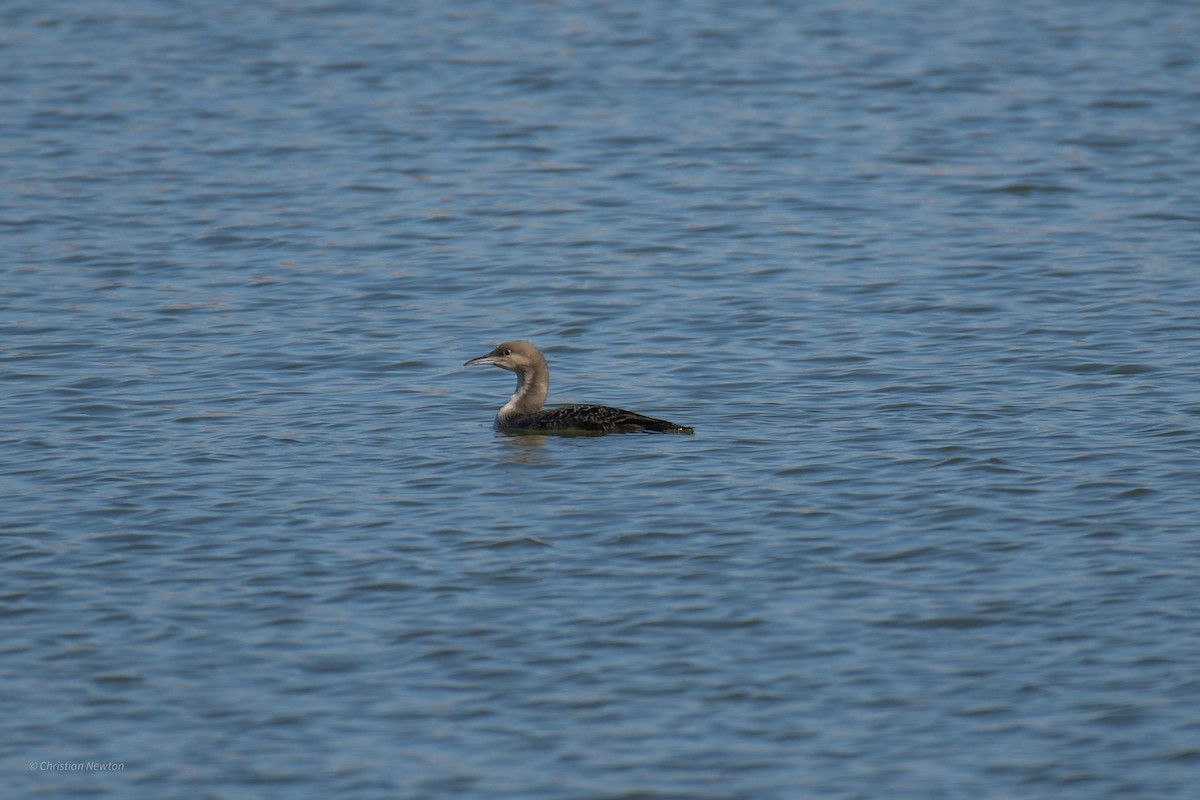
pixel 924 279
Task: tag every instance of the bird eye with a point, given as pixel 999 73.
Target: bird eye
pixel 508 352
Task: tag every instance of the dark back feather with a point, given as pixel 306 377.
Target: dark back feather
pixel 592 419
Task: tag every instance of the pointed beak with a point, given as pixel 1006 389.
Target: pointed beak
pixel 480 362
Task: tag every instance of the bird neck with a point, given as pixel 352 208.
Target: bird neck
pixel 533 384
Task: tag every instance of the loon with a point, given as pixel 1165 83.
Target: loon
pixel 523 411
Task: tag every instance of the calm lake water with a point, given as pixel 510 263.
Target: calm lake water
pixel 925 277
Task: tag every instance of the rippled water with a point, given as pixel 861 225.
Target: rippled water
pixel 924 277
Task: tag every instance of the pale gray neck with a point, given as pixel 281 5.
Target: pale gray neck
pixel 533 384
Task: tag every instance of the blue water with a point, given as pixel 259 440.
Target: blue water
pixel 925 278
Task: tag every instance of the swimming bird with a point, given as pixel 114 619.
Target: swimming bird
pixel 523 412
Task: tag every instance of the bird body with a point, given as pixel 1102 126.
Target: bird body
pixel 523 412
